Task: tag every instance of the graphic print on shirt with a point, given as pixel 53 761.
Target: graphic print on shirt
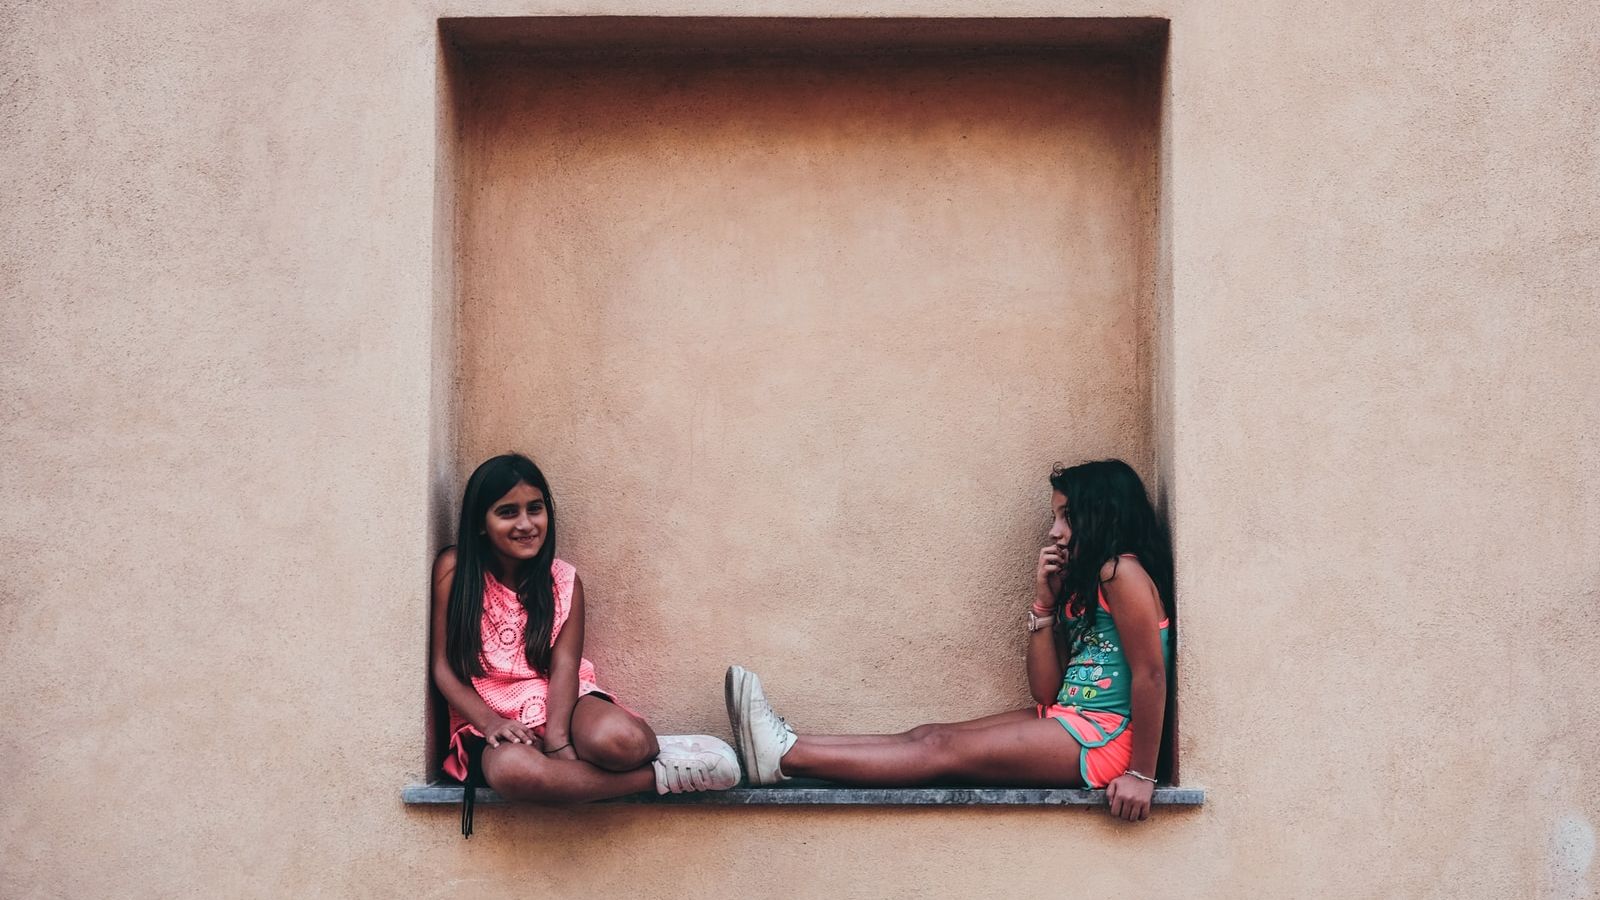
pixel 1087 675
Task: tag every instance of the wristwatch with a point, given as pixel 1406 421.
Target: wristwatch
pixel 1036 621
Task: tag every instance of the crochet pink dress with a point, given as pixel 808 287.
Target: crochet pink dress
pixel 508 684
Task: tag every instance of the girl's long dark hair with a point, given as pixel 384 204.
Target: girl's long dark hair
pixel 535 586
pixel 1110 514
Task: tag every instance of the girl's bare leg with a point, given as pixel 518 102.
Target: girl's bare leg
pixel 1013 751
pixel 609 737
pixel 1015 715
pixel 519 772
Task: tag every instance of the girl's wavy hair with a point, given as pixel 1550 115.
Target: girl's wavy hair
pixel 535 586
pixel 1110 515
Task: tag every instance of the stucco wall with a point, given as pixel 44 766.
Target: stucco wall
pixel 797 341
pixel 220 369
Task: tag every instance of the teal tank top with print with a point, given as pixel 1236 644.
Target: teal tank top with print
pixel 1097 674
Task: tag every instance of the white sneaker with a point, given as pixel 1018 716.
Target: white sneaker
pixel 762 735
pixel 694 762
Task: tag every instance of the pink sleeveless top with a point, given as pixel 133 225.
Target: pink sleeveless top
pixel 508 684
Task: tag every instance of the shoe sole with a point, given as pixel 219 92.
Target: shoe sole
pixel 730 699
pixel 744 685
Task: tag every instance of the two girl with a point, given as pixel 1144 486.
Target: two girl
pixel 529 718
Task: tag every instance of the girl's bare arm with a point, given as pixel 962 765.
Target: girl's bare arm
pixel 1046 655
pixel 458 693
pixel 564 657
pixel 1136 608
pixel 1044 666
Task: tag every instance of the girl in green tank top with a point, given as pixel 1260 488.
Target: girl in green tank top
pixel 1098 657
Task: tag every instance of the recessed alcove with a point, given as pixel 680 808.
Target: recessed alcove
pixel 797 314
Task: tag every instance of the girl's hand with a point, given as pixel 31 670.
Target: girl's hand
pixel 1047 577
pixel 509 730
pixel 1130 797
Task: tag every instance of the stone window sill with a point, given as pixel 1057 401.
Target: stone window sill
pixel 819 794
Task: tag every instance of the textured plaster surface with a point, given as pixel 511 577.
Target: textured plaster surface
pixel 797 343
pixel 220 370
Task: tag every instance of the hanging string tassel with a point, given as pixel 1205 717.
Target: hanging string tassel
pixel 469 799
pixel 469 791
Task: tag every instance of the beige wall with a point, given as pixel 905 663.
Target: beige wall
pixel 797 342
pixel 223 363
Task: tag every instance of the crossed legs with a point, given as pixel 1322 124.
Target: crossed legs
pixel 614 750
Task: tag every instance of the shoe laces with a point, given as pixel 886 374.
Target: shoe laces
pixel 780 725
pixel 687 773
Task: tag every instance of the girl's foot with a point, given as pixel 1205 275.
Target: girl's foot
pixel 763 736
pixel 694 762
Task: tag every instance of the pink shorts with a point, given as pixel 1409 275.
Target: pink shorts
pixel 1104 738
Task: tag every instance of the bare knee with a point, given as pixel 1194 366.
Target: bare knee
pixel 618 744
pixel 938 744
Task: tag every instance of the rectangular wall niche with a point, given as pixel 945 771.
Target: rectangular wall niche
pixel 797 315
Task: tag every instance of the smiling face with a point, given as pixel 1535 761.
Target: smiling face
pixel 1061 529
pixel 516 525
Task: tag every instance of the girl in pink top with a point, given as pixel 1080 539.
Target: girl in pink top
pixel 527 714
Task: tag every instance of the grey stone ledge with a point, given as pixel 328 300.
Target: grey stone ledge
pixel 819 794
